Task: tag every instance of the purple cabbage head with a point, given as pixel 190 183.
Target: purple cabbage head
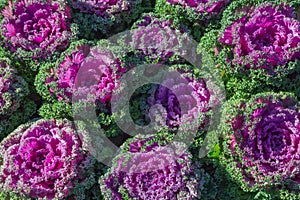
pixel 146 169
pixel 263 140
pixel 67 71
pixel 89 72
pixel 64 75
pixel 12 89
pixel 183 100
pixel 99 75
pixel 202 6
pixel 157 38
pixel 265 38
pixel 43 159
pixel 36 28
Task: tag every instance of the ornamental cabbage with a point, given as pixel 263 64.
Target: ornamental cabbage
pixel 157 38
pixel 80 70
pixel 13 89
pixel 60 79
pixel 43 159
pixel 265 38
pixel 55 80
pixel 77 68
pixel 261 144
pixel 147 169
pixel 184 98
pixel 15 107
pixel 99 76
pixel 36 29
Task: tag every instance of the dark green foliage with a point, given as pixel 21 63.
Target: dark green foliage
pixel 197 23
pixel 18 105
pixel 227 188
pixel 22 115
pixel 92 26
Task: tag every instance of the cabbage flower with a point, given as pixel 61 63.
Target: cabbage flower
pixel 36 29
pixel 261 146
pixel 265 38
pixel 146 169
pixel 43 159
